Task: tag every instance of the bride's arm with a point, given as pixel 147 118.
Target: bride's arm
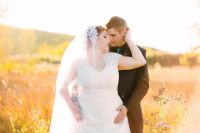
pixel 65 94
pixel 64 88
pixel 137 59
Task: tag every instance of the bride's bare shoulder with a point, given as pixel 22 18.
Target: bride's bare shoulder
pixel 112 55
pixel 80 61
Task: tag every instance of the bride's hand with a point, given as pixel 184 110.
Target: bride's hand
pixel 121 115
pixel 76 112
pixel 128 35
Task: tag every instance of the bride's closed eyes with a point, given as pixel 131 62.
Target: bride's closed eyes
pixel 106 36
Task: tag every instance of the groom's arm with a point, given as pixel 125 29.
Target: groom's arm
pixel 141 85
pixel 140 90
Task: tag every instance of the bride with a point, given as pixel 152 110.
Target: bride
pixel 89 65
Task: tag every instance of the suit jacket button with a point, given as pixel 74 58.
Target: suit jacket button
pixel 123 96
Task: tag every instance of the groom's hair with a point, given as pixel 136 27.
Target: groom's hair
pixel 116 23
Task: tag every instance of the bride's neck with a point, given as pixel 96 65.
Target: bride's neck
pixel 98 55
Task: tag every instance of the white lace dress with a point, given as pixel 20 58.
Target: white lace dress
pixel 98 98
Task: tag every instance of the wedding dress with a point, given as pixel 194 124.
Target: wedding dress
pixel 98 98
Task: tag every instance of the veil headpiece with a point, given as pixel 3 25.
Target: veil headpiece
pixel 92 35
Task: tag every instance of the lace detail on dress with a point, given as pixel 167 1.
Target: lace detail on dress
pixel 112 59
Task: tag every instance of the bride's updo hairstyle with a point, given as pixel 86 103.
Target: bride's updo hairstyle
pixel 93 32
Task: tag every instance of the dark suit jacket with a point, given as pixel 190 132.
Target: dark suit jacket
pixel 133 86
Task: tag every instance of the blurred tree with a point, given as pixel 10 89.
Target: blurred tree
pixel 52 51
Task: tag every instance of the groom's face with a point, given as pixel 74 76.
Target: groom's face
pixel 116 37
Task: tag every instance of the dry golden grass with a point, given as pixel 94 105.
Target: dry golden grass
pixel 26 102
pixel 169 96
pixel 26 99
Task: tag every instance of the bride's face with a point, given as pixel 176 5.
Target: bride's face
pixel 103 41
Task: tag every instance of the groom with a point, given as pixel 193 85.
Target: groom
pixel 133 84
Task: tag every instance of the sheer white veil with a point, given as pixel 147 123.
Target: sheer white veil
pixel 76 50
pixel 62 119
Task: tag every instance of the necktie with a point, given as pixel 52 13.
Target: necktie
pixel 118 50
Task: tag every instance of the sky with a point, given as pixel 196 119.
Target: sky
pixel 167 25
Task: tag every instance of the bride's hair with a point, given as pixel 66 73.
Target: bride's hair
pixel 92 34
pixel 100 29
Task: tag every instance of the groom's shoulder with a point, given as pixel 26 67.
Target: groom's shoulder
pixel 142 49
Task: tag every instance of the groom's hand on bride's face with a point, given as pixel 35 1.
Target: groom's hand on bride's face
pixel 121 115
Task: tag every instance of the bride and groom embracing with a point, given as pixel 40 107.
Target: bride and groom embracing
pixel 110 78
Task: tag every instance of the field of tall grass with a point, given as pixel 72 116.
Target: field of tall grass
pixel 169 98
pixel 29 61
pixel 26 99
